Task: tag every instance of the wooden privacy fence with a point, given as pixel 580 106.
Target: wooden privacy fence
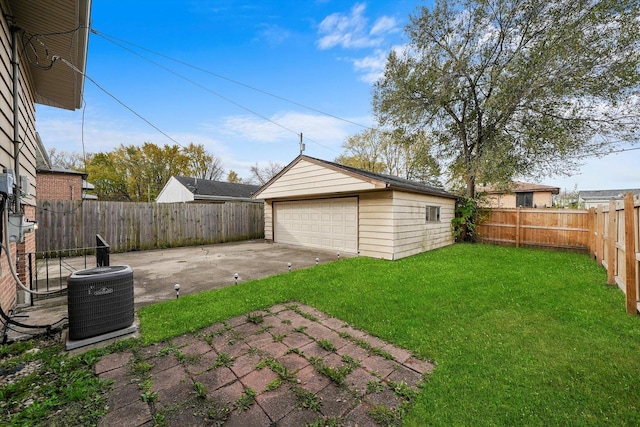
pixel 551 228
pixel 615 245
pixel 127 226
pixel 610 234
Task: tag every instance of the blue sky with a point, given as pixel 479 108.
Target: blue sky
pixel 322 54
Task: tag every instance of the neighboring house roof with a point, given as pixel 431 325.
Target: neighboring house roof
pixel 385 181
pixel 59 86
pixel 42 157
pixel 207 190
pixel 589 195
pixel 206 187
pixel 518 187
pixel 63 171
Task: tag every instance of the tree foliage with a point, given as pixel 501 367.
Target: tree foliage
pixel 515 88
pixel 233 177
pixel 393 153
pixel 202 164
pixel 138 173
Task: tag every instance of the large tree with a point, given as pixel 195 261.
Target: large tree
pixel 393 153
pixel 203 164
pixel 138 173
pixel 516 88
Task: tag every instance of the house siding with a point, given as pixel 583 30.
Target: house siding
pixel 268 221
pixel 28 145
pixel 508 200
pixel 411 233
pixel 175 192
pixel 308 179
pixel 375 224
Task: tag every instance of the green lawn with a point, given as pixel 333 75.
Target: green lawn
pixel 520 337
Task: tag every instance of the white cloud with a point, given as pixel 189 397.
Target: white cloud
pixel 350 31
pixel 372 66
pixel 323 129
pixel 384 25
pixel 274 35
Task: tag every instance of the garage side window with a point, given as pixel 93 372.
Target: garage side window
pixel 433 213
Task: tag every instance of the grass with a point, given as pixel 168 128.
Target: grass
pixel 519 336
pixel 60 391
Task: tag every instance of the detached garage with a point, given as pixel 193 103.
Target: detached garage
pixel 320 204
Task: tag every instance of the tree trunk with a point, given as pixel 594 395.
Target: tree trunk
pixel 471 186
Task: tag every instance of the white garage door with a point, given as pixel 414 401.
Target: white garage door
pixel 327 224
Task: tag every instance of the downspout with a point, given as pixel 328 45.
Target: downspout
pixel 16 117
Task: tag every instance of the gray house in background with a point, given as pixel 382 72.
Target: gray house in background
pixel 593 198
pixel 180 189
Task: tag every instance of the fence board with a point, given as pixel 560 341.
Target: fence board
pixel 65 224
pixel 561 228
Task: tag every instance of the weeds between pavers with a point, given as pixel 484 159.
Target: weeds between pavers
pixel 296 309
pixel 246 400
pixel 326 345
pixel 279 369
pixel 278 337
pixel 200 390
pixel 224 359
pixel 255 318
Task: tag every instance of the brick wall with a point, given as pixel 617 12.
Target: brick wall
pixel 7 284
pixel 59 186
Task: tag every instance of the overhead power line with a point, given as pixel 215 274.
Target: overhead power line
pixel 214 92
pixel 111 38
pixel 74 68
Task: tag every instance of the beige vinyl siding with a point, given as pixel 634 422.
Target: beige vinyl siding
pixel 412 234
pixel 268 220
pixel 375 226
pixel 308 179
pixel 27 115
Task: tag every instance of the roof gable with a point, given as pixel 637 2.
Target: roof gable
pixel 310 176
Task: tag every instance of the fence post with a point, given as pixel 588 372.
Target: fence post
pixel 630 254
pixel 600 232
pixel 591 220
pixel 517 227
pixel 102 252
pixel 612 233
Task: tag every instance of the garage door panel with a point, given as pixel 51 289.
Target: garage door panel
pixel 326 224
